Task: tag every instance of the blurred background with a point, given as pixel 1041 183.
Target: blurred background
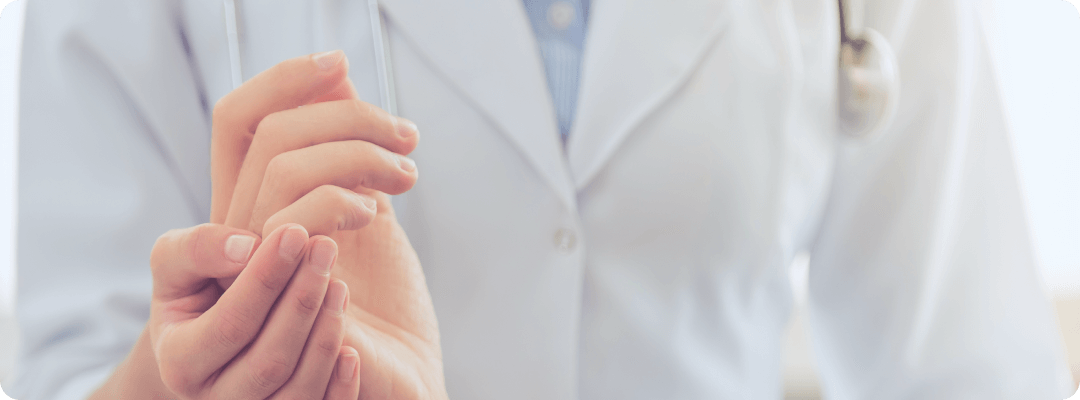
pixel 1037 49
pixel 10 43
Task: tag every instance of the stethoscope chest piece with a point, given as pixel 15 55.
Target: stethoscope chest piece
pixel 868 84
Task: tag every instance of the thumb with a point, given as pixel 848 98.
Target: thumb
pixel 183 259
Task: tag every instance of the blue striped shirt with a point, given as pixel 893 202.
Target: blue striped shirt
pixel 560 31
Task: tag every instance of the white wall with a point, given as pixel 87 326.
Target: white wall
pixel 10 39
pixel 1038 47
pixel 1038 53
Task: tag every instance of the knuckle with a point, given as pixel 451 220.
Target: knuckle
pixel 272 222
pixel 353 214
pixel 269 283
pixel 261 214
pixel 398 180
pixel 405 180
pixel 279 172
pixel 175 378
pixel 308 302
pixel 228 331
pixel 362 109
pixel 160 252
pixel 263 211
pixel 375 116
pixel 327 347
pixel 328 193
pixel 380 124
pixel 348 212
pixel 296 394
pixel 194 239
pixel 221 113
pixel 340 200
pixel 178 374
pixel 281 168
pixel 299 394
pixel 268 125
pixel 366 149
pixel 184 386
pixel 270 373
pixel 179 244
pixel 372 160
pixel 224 112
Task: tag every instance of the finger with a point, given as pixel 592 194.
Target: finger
pixel 345 384
pixel 272 358
pixel 344 90
pixel 350 164
pixel 325 210
pixel 313 124
pixel 287 85
pixel 316 366
pixel 329 121
pixel 183 259
pixel 207 343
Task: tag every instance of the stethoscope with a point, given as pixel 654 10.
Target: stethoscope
pixel 868 81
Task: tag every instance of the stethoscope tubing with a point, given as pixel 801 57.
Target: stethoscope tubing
pixel 232 34
pixel 383 64
pixel 380 41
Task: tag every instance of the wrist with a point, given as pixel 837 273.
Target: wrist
pixel 136 377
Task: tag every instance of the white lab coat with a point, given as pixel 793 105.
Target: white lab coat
pixel 646 260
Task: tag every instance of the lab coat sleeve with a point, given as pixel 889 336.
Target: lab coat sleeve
pixel 922 281
pixel 112 130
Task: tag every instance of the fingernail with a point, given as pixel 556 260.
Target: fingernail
pixel 328 59
pixel 407 164
pixel 369 203
pixel 338 291
pixel 347 367
pixel 406 129
pixel 238 248
pixel 292 242
pixel 323 253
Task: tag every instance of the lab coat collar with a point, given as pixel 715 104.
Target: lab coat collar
pixel 637 54
pixel 487 50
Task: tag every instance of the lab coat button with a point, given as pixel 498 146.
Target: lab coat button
pixel 560 15
pixel 565 240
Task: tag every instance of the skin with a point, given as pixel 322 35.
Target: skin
pixel 273 326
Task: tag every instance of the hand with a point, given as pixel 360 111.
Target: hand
pixel 203 343
pixel 208 343
pixel 322 166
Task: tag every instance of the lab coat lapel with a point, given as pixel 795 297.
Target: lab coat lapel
pixel 487 50
pixel 638 53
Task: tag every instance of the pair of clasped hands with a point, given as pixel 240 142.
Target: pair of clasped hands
pixel 303 286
